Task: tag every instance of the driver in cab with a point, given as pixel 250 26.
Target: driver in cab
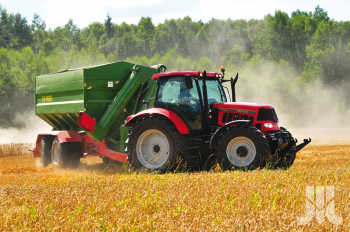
pixel 185 97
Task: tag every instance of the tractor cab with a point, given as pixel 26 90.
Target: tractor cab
pixel 182 92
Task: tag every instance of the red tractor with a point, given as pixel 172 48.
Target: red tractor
pixel 193 123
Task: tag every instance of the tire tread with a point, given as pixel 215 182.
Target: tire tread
pixel 179 142
pixel 46 145
pixel 265 153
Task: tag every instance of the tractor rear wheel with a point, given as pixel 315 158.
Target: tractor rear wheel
pixel 242 147
pixel 46 145
pixel 66 155
pixel 155 145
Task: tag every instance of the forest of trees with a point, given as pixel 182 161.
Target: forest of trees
pixel 294 51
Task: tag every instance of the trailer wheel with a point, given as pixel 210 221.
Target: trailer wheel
pixel 242 147
pixel 155 145
pixel 66 155
pixel 46 145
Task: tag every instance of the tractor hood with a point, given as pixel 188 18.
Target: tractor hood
pixel 241 105
pixel 261 116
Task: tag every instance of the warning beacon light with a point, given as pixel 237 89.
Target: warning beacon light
pixel 223 70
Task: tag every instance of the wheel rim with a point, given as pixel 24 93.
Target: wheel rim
pixel 152 149
pixel 55 154
pixel 241 151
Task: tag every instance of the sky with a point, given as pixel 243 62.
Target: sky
pixel 83 12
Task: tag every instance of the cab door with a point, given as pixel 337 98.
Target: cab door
pixel 174 95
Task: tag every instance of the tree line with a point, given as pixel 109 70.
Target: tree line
pixel 311 46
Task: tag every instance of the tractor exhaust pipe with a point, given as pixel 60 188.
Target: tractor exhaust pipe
pixel 205 94
pixel 233 84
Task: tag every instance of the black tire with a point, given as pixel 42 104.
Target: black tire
pixel 46 145
pixel 286 159
pixel 176 142
pixel 248 134
pixel 66 155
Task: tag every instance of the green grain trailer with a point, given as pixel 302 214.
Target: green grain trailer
pixel 87 108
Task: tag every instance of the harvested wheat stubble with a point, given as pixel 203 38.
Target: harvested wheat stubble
pixel 98 198
pixel 16 149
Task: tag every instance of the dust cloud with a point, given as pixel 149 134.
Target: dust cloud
pixel 306 110
pixel 32 125
pixel 327 136
pixel 308 107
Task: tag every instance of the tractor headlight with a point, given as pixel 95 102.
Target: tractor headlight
pixel 268 125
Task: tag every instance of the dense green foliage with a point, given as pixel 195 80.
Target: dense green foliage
pixel 285 54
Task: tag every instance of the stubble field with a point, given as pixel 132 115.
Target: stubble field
pixel 97 197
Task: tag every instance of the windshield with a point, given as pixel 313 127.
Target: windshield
pixel 174 90
pixel 215 92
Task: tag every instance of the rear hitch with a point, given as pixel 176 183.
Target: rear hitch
pixel 295 149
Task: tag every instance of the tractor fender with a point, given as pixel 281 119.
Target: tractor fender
pixel 171 115
pixel 63 137
pixel 217 133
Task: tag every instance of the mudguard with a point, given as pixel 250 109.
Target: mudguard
pixel 63 137
pixel 171 115
pixel 221 129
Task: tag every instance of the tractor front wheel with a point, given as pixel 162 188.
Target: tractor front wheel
pixel 286 158
pixel 66 155
pixel 155 145
pixel 242 147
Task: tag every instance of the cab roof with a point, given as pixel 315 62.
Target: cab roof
pixel 183 73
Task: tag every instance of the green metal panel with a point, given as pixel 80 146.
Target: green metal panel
pixel 59 95
pixel 108 93
pixel 138 77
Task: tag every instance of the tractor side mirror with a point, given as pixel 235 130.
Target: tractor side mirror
pixel 188 81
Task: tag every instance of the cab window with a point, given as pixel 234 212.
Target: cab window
pixel 214 90
pixel 175 96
